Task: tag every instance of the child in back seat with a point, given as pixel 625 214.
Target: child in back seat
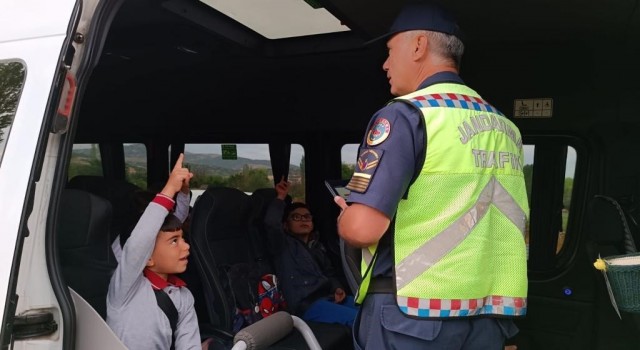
pixel 308 279
pixel 150 258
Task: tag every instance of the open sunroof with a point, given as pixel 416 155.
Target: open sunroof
pixel 278 19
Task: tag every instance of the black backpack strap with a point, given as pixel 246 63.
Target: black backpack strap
pixel 169 309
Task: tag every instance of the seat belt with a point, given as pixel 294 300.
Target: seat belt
pixel 169 309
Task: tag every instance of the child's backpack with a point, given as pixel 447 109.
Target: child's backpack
pixel 270 298
pixel 256 294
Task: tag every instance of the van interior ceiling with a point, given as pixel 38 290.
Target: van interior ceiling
pixel 162 60
pixel 179 72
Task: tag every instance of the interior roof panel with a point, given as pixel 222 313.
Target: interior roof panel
pixel 158 64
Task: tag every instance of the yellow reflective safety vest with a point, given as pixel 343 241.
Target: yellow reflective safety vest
pixel 459 244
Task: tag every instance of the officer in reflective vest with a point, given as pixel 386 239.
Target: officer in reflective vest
pixel 438 202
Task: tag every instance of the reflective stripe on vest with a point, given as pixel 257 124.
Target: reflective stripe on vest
pixel 432 251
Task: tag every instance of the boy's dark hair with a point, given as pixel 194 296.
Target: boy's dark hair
pixel 293 206
pixel 171 223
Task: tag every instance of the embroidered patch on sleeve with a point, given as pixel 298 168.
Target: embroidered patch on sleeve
pixel 379 132
pixel 368 161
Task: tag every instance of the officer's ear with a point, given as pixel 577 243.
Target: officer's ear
pixel 419 44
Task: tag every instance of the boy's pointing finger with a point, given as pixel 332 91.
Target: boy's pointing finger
pixel 179 161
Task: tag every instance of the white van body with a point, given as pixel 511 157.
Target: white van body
pixel 37 34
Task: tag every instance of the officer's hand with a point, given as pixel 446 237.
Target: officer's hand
pixel 282 188
pixel 339 295
pixel 342 204
pixel 178 177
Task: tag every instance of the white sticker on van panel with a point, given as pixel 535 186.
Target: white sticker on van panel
pixel 533 108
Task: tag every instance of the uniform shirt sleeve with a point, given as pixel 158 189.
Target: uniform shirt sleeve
pixel 399 155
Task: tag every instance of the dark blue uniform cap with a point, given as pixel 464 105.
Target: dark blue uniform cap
pixel 423 16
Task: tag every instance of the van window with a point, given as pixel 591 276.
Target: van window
pixel 246 167
pixel 550 170
pixel 296 173
pixel 567 194
pixel 11 82
pixel 567 189
pixel 135 163
pixel 85 160
pixel 349 155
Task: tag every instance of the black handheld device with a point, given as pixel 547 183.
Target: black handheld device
pixel 331 189
pixel 337 188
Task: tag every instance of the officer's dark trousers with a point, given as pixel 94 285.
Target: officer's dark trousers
pixel 381 325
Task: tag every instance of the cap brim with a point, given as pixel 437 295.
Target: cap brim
pixel 375 40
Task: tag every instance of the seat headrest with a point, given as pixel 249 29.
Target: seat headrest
pixel 607 221
pixel 265 193
pixel 221 206
pixel 263 196
pixel 90 183
pixel 84 220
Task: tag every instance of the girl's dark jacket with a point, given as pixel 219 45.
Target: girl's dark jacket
pixel 304 270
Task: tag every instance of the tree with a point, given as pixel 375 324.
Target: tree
pixel 11 79
pixel 136 175
pixel 297 188
pixel 347 171
pixel 568 190
pixel 250 179
pixel 302 169
pixel 85 164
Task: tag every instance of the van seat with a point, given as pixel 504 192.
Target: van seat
pixel 121 195
pixel 609 227
pixel 220 237
pixel 224 232
pixel 83 243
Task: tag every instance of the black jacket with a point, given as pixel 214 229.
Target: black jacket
pixel 304 270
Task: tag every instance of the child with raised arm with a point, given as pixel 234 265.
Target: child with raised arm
pixel 151 257
pixel 309 281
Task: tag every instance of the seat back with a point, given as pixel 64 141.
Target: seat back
pixel 226 231
pixel 121 195
pixel 261 198
pixel 609 228
pixel 83 241
pixel 221 235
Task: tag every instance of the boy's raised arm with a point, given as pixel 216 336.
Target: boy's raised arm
pixel 178 178
pixel 138 248
pixel 183 202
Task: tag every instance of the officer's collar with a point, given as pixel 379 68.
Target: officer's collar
pixel 441 77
